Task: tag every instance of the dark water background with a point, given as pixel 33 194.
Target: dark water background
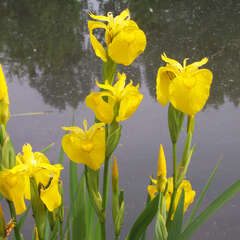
pixel 50 66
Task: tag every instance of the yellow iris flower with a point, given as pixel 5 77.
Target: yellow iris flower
pixel 127 97
pixel 186 87
pixel 124 40
pixel 160 184
pixel 85 146
pixel 4 99
pixel 15 182
pixel 186 185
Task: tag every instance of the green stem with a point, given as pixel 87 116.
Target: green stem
pixel 61 231
pixel 105 184
pixel 171 209
pixel 116 237
pixel 14 217
pixel 105 191
pixel 174 163
pixel 103 230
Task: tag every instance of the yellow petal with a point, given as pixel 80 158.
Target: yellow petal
pixel 115 169
pixel 51 196
pixel 98 48
pixel 190 99
pixel 162 168
pixel 123 15
pixel 78 151
pixel 152 190
pixel 3 88
pixel 196 65
pixel 103 110
pixel 129 104
pixel 101 18
pixel 164 77
pixel 13 187
pixel 127 45
pixel 74 129
pixel 172 62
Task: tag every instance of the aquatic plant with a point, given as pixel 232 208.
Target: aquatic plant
pixel 184 88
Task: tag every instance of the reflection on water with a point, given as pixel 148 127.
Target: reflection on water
pixel 194 29
pixel 47 41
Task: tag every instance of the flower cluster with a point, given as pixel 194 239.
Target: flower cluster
pixel 117 102
pixel 15 182
pixel 124 40
pixel 186 87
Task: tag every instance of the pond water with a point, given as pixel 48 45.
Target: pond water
pixel 50 66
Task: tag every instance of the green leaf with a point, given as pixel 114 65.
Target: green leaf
pixel 91 220
pixel 210 210
pixel 176 224
pixel 148 199
pixel 175 121
pixel 61 156
pixel 79 215
pixel 194 211
pixel 23 218
pixel 160 226
pixel 144 219
pixel 47 229
pixel 112 141
pixel 47 148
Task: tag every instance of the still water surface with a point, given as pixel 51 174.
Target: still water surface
pixel 50 66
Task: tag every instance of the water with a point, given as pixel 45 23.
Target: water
pixel 50 66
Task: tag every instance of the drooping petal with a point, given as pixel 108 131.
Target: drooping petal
pixel 89 151
pixel 103 110
pixel 189 92
pixel 50 195
pixel 164 77
pixel 98 48
pixel 13 186
pixel 152 190
pixel 129 104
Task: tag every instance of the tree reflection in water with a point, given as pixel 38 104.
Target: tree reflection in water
pixel 47 41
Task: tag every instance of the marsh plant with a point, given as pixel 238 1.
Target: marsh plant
pixel 30 176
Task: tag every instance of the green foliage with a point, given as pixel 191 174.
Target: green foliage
pixel 144 219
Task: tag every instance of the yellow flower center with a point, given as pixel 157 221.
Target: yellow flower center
pixel 87 147
pixel 189 82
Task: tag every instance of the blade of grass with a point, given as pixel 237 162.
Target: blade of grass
pixel 194 211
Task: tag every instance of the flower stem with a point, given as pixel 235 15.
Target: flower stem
pixel 13 216
pixel 103 230
pixel 171 209
pixel 174 164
